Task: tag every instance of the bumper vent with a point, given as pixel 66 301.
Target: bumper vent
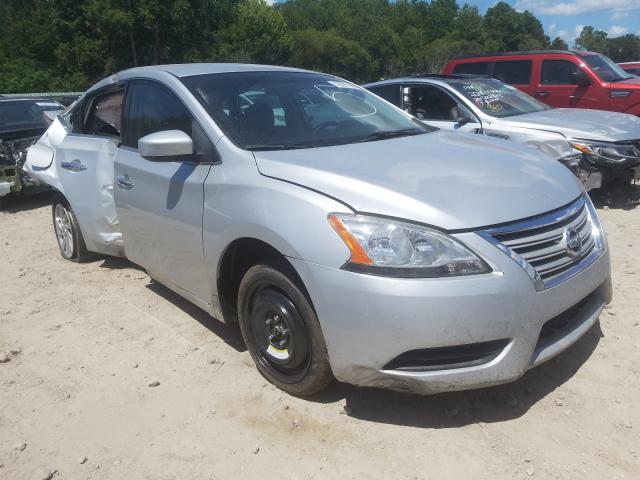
pixel 555 246
pixel 446 358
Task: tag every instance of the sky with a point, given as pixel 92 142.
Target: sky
pixel 565 18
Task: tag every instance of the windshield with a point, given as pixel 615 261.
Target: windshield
pixel 605 68
pixel 24 114
pixel 283 110
pixel 496 98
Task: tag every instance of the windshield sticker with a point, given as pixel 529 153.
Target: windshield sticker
pixel 340 84
pixel 48 104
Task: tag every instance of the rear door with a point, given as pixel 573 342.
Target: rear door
pixel 515 72
pixel 556 86
pixel 85 159
pixel 391 92
pixel 160 203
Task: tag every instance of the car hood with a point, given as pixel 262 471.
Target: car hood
pixel 449 180
pixel 581 123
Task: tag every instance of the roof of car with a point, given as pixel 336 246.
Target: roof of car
pixel 430 76
pixel 4 98
pixel 188 69
pixel 527 52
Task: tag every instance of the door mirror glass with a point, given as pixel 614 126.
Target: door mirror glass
pixel 580 78
pixel 165 144
pixel 464 116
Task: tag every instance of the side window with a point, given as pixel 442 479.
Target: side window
pixel 475 68
pixel 514 72
pixel 557 72
pixel 154 108
pixel 104 115
pixel 432 103
pixel 391 93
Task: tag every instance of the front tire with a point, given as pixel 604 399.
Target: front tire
pixel 68 234
pixel 281 330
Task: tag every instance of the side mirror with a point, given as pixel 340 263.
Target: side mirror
pixel 580 78
pixel 168 143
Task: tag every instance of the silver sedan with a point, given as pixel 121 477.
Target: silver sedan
pixel 347 239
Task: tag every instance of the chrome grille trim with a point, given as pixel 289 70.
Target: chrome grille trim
pixel 537 244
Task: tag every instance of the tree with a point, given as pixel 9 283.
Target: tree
pixel 258 34
pixel 592 39
pixel 559 44
pixel 326 51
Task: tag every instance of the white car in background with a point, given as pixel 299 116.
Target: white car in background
pixel 602 148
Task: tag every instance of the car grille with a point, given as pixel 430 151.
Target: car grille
pixel 554 246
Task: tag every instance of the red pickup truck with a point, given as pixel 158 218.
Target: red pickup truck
pixel 577 79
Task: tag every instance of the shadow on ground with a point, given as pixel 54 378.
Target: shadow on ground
pixel 450 410
pixel 446 410
pixel 21 203
pixel 230 334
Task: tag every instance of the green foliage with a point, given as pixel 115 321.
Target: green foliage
pixel 69 44
pixel 620 49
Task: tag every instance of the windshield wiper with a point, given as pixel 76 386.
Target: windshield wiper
pixel 384 135
pixel 276 146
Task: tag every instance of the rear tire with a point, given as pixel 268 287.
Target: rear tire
pixel 281 330
pixel 68 234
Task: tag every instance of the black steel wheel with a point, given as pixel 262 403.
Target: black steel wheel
pixel 281 330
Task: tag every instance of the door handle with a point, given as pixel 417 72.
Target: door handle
pixel 542 94
pixel 74 165
pixel 124 183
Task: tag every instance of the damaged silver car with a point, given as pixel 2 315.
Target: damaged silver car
pixel 22 122
pixel 346 238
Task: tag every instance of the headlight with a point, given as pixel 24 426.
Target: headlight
pixel 399 249
pixel 611 152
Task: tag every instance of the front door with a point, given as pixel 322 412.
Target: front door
pixel 557 88
pixel 435 106
pixel 160 203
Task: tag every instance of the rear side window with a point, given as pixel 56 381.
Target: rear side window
pixel 391 93
pixel 633 71
pixel 557 72
pixel 153 108
pixel 476 68
pixel 514 72
pixel 104 116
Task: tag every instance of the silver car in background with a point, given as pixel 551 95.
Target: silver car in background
pixel 347 239
pixel 602 148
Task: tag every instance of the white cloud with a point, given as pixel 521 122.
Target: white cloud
pixel 617 31
pixel 575 7
pixel 619 15
pixel 578 29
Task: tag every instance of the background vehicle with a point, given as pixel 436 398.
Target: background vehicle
pixel 574 79
pixel 351 240
pixel 22 122
pixel 631 67
pixel 601 148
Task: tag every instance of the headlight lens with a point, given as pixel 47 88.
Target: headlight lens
pixel 613 152
pixel 391 248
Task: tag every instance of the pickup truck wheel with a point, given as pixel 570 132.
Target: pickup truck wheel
pixel 68 233
pixel 281 331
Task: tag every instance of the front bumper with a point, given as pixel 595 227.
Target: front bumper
pixel 369 320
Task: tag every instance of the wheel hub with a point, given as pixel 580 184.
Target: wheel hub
pixel 278 332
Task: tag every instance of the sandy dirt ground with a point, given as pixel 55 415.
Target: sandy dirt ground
pixel 81 347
